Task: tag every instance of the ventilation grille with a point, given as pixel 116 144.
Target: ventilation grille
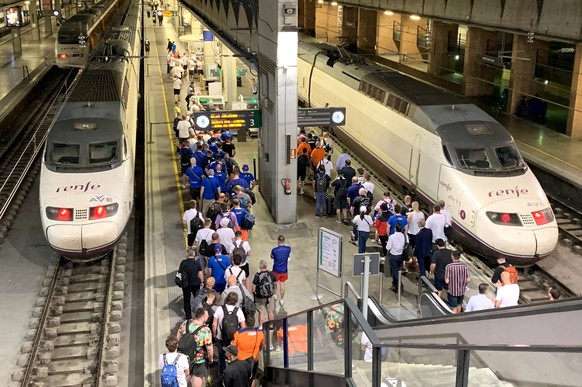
pixel 96 86
pixel 527 220
pixel 81 214
pixel 267 65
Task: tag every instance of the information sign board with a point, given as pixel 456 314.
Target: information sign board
pixel 227 119
pixel 330 252
pixel 358 268
pixel 329 116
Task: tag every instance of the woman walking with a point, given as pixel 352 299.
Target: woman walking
pixel 363 221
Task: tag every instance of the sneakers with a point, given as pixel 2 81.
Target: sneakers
pixel 281 302
pixel 271 348
pixel 183 186
pixel 302 192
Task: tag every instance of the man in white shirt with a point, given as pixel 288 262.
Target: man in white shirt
pixel 480 301
pixel 190 214
pixel 225 233
pixel 177 70
pixel 221 342
pixel 239 243
pixel 181 360
pixel 507 293
pixel 204 234
pixel 436 223
pixel 367 184
pixel 327 164
pixel 395 247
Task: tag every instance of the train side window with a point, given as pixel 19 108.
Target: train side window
pixel 102 152
pixel 447 154
pixel 65 153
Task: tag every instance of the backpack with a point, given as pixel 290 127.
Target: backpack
pixel 513 274
pixel 343 189
pixel 266 286
pixel 213 211
pixel 229 323
pixel 187 344
pixel 370 196
pixel 320 183
pixel 240 251
pixel 251 194
pixel 169 376
pixel 182 277
pixel 196 224
pixel 248 305
pixel 185 158
pixel 248 221
pixel 227 216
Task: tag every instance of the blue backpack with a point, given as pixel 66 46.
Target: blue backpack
pixel 248 221
pixel 170 373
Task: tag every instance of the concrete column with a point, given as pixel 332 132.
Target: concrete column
pixel 479 78
pixel 574 127
pixel 439 59
pixel 408 47
pixel 326 22
pixel 278 94
pixel 307 16
pixel 350 27
pixel 384 37
pixel 229 75
pixel 209 56
pixel 367 29
pixel 522 71
pixel 34 27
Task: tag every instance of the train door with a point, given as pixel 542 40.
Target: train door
pixel 414 161
pixel 467 210
pixel 429 168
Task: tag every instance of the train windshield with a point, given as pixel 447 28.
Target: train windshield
pixel 473 158
pixel 68 38
pixel 65 153
pixel 101 153
pixel 508 156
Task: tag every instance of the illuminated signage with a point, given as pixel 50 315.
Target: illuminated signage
pixel 227 119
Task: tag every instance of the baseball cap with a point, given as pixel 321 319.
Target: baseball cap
pixel 224 222
pixel 232 349
pixel 245 167
pixel 363 209
pixel 218 247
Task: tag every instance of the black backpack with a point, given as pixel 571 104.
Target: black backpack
pixel 343 188
pixel 196 224
pixel 213 211
pixel 182 276
pixel 266 286
pixel 229 323
pixel 321 183
pixel 251 194
pixel 248 305
pixel 240 251
pixel 187 344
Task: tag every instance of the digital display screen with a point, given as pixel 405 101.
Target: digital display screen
pixel 13 17
pixel 227 119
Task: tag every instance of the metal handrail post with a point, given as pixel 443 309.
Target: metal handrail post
pixel 310 343
pixel 399 287
pixel 463 359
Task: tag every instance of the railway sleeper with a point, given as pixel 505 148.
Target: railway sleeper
pixel 81 380
pixel 76 339
pixel 83 366
pixel 83 306
pixel 84 287
pixel 77 317
pixel 76 352
pixel 97 296
pixel 77 328
pixel 78 278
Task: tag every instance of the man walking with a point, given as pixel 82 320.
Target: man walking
pixel 281 257
pixel 457 278
pixel 193 271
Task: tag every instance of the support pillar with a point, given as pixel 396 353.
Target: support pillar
pixel 440 61
pixel 34 27
pixel 229 76
pixel 278 95
pixel 522 72
pixel 408 48
pixel 209 58
pixel 574 127
pixel 367 27
pixel 307 16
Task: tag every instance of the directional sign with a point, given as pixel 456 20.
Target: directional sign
pixel 358 268
pixel 227 119
pixel 328 116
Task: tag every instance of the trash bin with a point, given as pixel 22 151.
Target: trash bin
pixel 242 135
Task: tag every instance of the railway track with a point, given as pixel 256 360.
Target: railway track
pixel 75 332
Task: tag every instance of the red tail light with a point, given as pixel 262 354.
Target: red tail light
pixel 65 214
pixel 99 212
pixel 505 218
pixel 62 214
pixel 62 56
pixel 543 216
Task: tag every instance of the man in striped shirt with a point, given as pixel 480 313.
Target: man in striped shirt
pixel 456 277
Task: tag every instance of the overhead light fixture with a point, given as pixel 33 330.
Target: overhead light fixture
pixel 388 13
pixel 319 1
pixel 457 57
pixel 415 17
pixel 334 3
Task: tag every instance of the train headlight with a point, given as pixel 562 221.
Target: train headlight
pixel 543 217
pixel 101 212
pixel 62 56
pixel 62 214
pixel 503 218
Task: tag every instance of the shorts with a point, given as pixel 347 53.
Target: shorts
pixel 301 175
pixel 281 277
pixel 199 370
pixel 255 369
pixel 264 305
pixel 191 238
pixel 455 301
pixel 191 73
pixel 183 169
pixel 195 193
pixel 183 140
pixel 340 203
pixel 176 91
pixel 440 284
pixel 245 269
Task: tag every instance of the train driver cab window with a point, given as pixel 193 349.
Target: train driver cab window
pixel 65 153
pixel 473 158
pixel 102 152
pixel 67 38
pixel 447 155
pixel 508 156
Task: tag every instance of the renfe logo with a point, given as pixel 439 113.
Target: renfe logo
pixel 517 192
pixel 79 187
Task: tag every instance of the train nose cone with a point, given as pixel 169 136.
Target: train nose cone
pixel 547 239
pixel 75 239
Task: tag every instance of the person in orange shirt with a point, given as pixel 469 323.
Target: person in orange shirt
pixel 250 342
pixel 296 338
pixel 303 145
pixel 317 154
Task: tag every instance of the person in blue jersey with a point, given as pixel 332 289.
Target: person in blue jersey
pixel 221 176
pixel 281 255
pixel 249 178
pixel 397 218
pixel 209 191
pixel 236 180
pixel 196 175
pixel 217 265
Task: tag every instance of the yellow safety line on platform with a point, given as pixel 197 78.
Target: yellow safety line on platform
pixel 173 153
pixel 549 155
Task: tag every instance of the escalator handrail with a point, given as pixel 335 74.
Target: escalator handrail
pixel 487 347
pixel 379 312
pixel 438 302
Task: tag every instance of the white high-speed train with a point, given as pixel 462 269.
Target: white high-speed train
pixel 438 146
pixel 87 174
pixel 88 24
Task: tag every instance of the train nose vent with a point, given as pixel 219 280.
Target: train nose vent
pixel 81 214
pixel 527 220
